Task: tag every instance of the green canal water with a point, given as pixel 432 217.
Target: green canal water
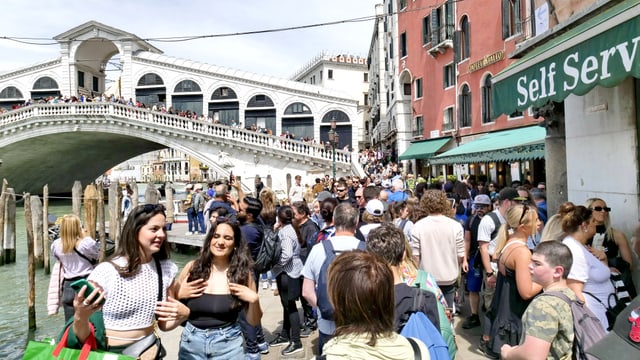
pixel 14 332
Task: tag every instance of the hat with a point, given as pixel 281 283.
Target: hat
pixel 323 195
pixel 538 194
pixel 618 344
pixel 386 184
pixel 510 193
pixel 482 199
pixel 375 207
pixel 189 186
pixel 198 187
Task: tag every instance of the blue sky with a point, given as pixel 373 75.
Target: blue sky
pixel 278 54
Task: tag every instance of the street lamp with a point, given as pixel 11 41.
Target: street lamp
pixel 334 140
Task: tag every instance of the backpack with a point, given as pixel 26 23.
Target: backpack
pixel 270 251
pixel 587 329
pixel 496 222
pixel 415 324
pixel 322 292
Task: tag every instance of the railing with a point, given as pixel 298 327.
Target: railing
pixel 164 120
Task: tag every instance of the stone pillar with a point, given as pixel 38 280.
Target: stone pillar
pixel 555 155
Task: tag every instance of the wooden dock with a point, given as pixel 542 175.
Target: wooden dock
pixel 177 235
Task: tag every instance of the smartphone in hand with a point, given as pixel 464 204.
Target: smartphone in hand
pixel 78 284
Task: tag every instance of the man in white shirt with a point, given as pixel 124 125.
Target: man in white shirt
pixel 296 193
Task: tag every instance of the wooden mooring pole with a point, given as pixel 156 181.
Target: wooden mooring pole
pixel 10 226
pixel 3 205
pixel 31 267
pixel 76 198
pixel 101 227
pixel 90 209
pixel 36 229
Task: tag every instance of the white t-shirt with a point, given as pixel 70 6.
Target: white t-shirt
pixel 314 262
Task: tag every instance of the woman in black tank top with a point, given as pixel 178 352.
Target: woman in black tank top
pixel 216 287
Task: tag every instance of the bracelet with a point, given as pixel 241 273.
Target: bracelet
pixel 490 274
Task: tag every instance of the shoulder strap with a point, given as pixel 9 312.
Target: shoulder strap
pixel 496 222
pixel 91 261
pixel 417 354
pixel 403 223
pixel 418 298
pixel 558 294
pixel 596 299
pixel 328 247
pixel 159 270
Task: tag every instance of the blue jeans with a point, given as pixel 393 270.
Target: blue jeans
pixel 192 218
pixel 224 343
pixel 202 227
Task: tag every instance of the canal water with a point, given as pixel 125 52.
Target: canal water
pixel 14 332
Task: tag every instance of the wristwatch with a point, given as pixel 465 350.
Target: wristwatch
pixel 490 274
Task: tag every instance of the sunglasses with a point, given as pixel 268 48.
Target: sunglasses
pixel 525 208
pixel 600 208
pixel 149 208
pixel 341 189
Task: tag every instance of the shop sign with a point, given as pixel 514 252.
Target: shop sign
pixel 487 60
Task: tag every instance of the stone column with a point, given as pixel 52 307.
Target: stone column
pixel 555 155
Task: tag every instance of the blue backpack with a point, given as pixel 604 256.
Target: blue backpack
pixel 324 305
pixel 415 324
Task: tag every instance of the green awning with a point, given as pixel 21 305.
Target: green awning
pixel 423 149
pixel 603 50
pixel 508 145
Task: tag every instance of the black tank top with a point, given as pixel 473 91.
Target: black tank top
pixel 212 311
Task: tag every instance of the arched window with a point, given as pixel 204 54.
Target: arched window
pixel 150 79
pixel 10 92
pixel 187 86
pixel 486 100
pixel 45 83
pixel 260 100
pixel 223 93
pixel 464 114
pixel 464 34
pixel 297 109
pixel 338 115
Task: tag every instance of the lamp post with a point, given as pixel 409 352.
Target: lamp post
pixel 334 140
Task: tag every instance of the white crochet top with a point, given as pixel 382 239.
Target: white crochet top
pixel 131 302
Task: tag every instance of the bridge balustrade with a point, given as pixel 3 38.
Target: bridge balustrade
pixel 176 122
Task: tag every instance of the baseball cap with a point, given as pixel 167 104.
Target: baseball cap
pixel 386 184
pixel 482 199
pixel 323 195
pixel 189 186
pixel 623 342
pixel 510 193
pixel 375 207
pixel 198 187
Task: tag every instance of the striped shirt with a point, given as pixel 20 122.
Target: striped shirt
pixel 290 258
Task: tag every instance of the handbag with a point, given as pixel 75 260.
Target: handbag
pixel 149 347
pixel 37 350
pixel 610 311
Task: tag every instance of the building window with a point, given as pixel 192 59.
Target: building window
pixel 80 78
pixel 366 99
pixel 447 121
pixel 417 127
pixel 511 18
pixel 402 4
pixel 426 32
pixel 403 44
pixel 406 89
pixel 418 83
pixel 464 41
pixel 187 86
pixel 96 84
pixel 296 109
pixel 366 77
pixel 442 25
pixel 516 114
pixel 486 100
pixel 449 76
pixel 10 92
pixel 330 74
pixel 150 79
pixel 464 107
pixel 320 75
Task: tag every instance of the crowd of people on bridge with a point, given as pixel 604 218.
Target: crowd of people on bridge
pixel 392 234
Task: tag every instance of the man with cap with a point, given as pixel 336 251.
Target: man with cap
pixel 373 216
pixel 473 264
pixel 487 238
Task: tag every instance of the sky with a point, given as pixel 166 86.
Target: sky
pixel 278 54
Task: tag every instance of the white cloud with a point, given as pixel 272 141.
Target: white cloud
pixel 277 54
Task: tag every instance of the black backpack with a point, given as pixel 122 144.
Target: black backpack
pixel 587 329
pixel 270 251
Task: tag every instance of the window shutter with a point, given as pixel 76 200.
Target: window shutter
pixel 435 27
pixel 505 19
pixel 467 41
pixel 456 46
pixel 468 108
pixel 460 110
pixel 518 16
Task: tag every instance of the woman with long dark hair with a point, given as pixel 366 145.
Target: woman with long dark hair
pixel 224 269
pixel 288 278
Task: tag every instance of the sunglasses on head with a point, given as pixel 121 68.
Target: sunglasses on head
pixel 231 220
pixel 149 208
pixel 600 208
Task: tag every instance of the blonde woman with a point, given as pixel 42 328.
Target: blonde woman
pixel 269 205
pixel 514 286
pixel 607 239
pixel 77 255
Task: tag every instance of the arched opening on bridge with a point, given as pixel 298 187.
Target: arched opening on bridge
pixel 224 107
pixel 187 97
pixel 298 120
pixel 261 112
pixel 92 61
pixel 344 130
pixel 44 88
pixel 11 98
pixel 151 90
